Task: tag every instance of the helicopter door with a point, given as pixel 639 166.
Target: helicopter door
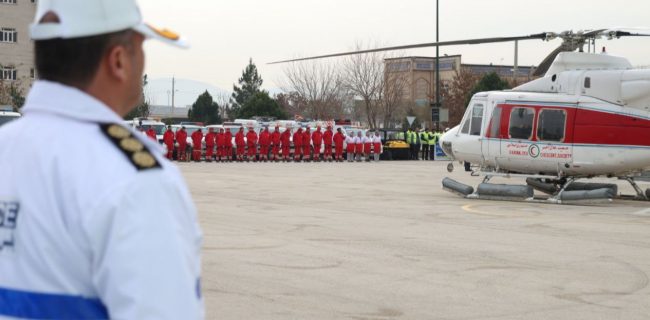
pixel 468 145
pixel 491 144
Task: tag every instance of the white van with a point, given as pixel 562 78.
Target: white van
pixel 6 116
pixel 248 122
pixel 157 126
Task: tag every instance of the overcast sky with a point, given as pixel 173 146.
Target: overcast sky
pixel 224 34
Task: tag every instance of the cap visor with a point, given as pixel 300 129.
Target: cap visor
pixel 163 35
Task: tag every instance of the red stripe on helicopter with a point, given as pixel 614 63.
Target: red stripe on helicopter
pixel 588 126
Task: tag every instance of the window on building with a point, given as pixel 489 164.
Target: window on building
pixel 551 124
pixel 399 66
pixel 521 123
pixel 9 1
pixel 9 73
pixel 8 35
pixel 477 120
pixel 32 73
pixel 423 65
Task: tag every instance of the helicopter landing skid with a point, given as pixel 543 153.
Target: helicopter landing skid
pixel 562 190
pixel 640 194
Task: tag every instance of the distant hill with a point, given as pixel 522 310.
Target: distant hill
pixel 158 91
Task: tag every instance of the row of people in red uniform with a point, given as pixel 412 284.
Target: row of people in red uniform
pixel 274 146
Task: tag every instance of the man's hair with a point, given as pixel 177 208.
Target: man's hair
pixel 75 62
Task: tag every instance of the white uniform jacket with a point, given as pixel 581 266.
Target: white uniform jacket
pixel 94 222
pixel 375 140
pixel 349 141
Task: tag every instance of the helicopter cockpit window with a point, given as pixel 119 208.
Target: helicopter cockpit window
pixel 466 121
pixel 477 120
pixel 551 124
pixel 521 123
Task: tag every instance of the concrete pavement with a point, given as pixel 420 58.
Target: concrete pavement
pixel 383 241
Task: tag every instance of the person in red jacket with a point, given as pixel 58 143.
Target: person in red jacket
pixel 151 133
pixel 265 143
pixel 220 142
pixel 328 136
pixel 197 139
pixel 275 143
pixel 251 141
pixel 181 138
pixel 209 145
pixel 317 140
pixel 227 145
pixel 240 143
pixel 285 139
pixel 339 138
pixel 306 145
pixel 168 139
pixel 297 145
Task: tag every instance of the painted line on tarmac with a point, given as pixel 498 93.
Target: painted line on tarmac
pixel 470 208
pixel 644 212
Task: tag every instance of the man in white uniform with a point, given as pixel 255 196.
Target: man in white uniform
pixel 349 141
pixel 94 222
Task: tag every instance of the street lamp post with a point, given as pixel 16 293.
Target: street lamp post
pixel 437 103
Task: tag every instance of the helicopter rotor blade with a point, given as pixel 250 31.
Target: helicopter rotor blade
pixel 615 34
pixel 540 36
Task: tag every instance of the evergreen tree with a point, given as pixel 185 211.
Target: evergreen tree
pixel 489 82
pixel 261 105
pixel 142 110
pixel 249 84
pixel 204 110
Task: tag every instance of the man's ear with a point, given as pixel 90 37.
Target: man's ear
pixel 116 62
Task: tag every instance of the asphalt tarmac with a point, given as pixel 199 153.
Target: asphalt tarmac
pixel 376 241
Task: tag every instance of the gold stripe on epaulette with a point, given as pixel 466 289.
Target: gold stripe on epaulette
pixel 118 132
pixel 144 159
pixel 131 145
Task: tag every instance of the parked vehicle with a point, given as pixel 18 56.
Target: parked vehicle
pixel 6 116
pixel 146 124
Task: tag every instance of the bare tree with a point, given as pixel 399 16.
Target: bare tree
pixel 292 103
pixel 457 93
pixel 316 89
pixel 223 101
pixel 364 78
pixel 12 94
pixel 392 97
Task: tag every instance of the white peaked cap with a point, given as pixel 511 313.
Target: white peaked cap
pixel 85 18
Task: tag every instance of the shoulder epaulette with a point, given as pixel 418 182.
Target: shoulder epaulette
pixel 132 148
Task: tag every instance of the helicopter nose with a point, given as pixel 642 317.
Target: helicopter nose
pixel 446 142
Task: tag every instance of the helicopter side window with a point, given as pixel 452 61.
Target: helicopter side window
pixel 495 123
pixel 551 124
pixel 477 120
pixel 521 123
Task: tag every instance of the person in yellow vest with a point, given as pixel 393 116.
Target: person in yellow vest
pixel 437 135
pixel 424 137
pixel 411 141
pixel 432 144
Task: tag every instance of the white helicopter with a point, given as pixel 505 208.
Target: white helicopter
pixel 588 116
